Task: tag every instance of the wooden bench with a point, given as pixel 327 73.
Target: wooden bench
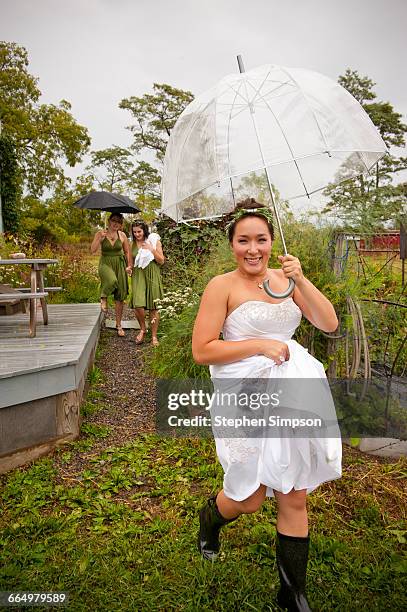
pixel 16 304
pixel 11 296
pixel 36 291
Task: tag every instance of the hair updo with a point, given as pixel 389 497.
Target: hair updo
pixel 248 205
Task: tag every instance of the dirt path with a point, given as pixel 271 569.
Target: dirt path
pixel 124 399
pixel 128 389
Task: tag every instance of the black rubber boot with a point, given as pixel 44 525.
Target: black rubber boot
pixel 210 522
pixel 292 559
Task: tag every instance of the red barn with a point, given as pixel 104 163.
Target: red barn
pixel 384 241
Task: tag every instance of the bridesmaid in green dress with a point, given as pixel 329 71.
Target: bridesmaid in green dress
pixel 146 283
pixel 114 265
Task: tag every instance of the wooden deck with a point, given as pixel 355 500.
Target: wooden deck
pixel 42 379
pixel 62 344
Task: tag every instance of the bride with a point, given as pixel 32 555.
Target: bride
pixel 257 331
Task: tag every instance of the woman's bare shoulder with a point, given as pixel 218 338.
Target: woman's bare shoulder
pixel 221 280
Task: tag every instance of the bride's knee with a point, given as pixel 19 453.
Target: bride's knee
pixel 294 501
pixel 254 502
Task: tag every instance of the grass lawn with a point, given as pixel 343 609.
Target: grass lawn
pixel 116 527
pixel 121 535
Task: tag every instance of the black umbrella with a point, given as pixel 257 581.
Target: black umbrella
pixel 106 201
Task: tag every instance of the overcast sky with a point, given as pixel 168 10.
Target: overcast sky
pixel 93 53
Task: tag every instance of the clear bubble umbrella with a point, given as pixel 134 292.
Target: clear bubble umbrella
pixel 298 129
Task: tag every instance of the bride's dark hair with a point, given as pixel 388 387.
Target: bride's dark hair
pixel 250 208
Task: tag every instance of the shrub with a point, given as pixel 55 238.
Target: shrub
pixel 75 271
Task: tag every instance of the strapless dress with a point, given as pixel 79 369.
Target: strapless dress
pixel 280 461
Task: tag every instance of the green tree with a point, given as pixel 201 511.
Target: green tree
pixel 145 185
pixel 155 116
pixel 359 86
pixel 56 219
pixel 110 168
pixel 117 169
pixel 9 185
pixel 45 136
pixel 365 203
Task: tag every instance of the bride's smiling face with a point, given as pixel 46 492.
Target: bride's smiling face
pixel 251 245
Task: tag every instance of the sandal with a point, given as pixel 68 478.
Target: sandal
pixel 120 331
pixel 140 340
pixel 103 304
pixel 155 342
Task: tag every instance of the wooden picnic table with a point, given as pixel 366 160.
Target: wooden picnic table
pixel 35 293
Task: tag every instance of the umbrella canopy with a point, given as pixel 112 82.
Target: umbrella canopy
pixel 299 128
pixel 104 200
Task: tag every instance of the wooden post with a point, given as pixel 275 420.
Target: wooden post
pixel 40 282
pixel 33 303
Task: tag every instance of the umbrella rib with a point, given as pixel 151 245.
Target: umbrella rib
pixel 246 101
pixel 309 107
pixel 281 129
pixel 288 145
pixel 228 140
pixel 261 97
pixel 276 89
pixel 257 91
pixel 244 105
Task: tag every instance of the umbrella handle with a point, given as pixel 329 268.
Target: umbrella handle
pixel 286 293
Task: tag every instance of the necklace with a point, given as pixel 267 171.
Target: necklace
pixel 259 284
pixel 110 237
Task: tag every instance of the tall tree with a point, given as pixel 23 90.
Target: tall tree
pixel 110 168
pixel 45 136
pixel 145 184
pixel 365 203
pixel 155 116
pixel 117 169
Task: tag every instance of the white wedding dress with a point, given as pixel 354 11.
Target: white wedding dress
pixel 281 462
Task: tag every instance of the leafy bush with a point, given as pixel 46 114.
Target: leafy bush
pixel 186 248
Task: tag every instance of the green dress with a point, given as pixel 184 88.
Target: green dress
pixel 112 271
pixel 146 284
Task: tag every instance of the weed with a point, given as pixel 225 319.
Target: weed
pixel 97 431
pixel 95 375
